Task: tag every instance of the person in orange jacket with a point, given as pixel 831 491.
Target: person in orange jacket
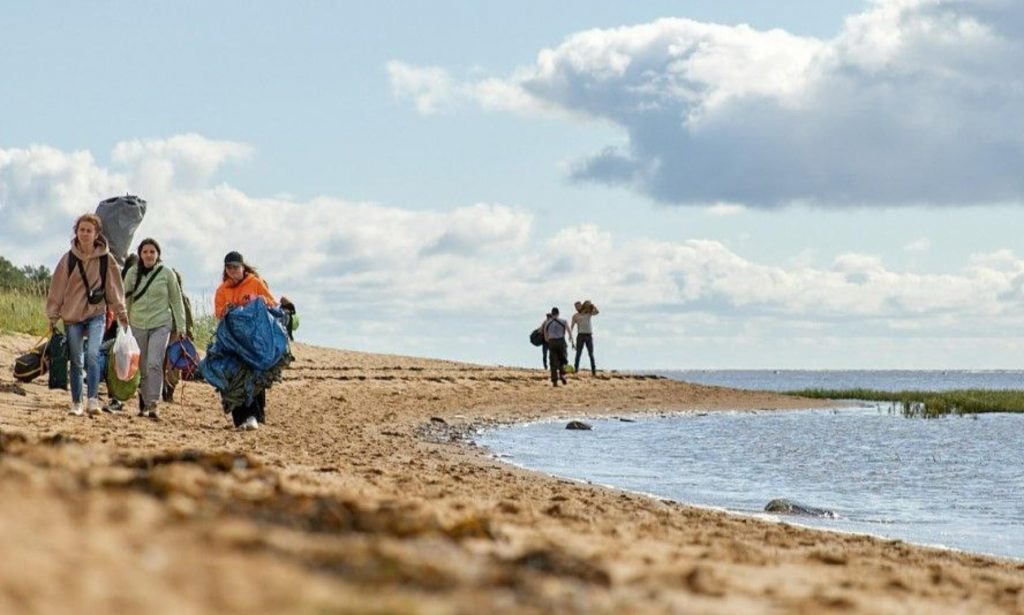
pixel 241 284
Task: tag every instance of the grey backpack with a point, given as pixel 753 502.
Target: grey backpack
pixel 121 215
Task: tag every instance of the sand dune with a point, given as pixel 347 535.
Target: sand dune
pixel 364 494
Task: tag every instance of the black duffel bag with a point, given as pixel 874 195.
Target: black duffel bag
pixel 536 337
pixel 33 363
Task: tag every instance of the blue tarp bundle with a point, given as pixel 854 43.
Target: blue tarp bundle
pixel 254 333
pixel 248 343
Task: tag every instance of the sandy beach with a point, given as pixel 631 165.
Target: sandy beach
pixel 364 494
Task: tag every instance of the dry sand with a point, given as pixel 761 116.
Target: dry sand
pixel 356 497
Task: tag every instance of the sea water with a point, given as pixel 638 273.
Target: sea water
pixel 955 482
pixel 885 380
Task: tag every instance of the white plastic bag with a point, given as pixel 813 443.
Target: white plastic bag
pixel 126 354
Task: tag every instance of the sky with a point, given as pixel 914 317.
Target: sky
pixel 833 184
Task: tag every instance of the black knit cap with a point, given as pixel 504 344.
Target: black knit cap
pixel 233 258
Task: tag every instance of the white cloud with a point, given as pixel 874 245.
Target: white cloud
pixel 42 190
pixel 482 227
pixel 914 102
pixel 387 278
pixel 433 90
pixel 430 88
pixel 334 244
pixel 182 162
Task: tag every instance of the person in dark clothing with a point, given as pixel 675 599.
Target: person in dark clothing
pixel 292 319
pixel 555 331
pixel 544 350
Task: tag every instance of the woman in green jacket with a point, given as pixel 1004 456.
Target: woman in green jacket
pixel 157 316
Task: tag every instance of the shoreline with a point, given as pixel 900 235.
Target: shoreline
pixel 794 520
pixel 765 517
pixel 353 498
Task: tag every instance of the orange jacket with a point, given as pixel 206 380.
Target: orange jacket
pixel 229 293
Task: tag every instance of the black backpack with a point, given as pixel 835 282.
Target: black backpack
pixel 536 337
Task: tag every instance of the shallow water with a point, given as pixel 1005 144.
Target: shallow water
pixel 956 482
pixel 885 380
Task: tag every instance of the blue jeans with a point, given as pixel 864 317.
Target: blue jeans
pixel 91 329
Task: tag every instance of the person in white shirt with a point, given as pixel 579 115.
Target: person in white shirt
pixel 584 332
pixel 555 332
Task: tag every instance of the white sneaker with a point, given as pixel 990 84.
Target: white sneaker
pixel 94 407
pixel 76 408
pixel 250 424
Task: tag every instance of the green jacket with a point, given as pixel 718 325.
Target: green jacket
pixel 160 305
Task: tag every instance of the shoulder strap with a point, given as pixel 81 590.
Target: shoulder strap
pixel 104 264
pixel 81 272
pixel 76 263
pixel 149 282
pixel 72 262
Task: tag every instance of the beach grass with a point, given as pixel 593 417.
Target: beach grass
pixel 930 404
pixel 203 328
pixel 23 312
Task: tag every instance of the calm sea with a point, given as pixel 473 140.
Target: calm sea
pixel 886 380
pixel 955 482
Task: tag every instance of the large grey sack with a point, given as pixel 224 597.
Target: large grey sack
pixel 121 215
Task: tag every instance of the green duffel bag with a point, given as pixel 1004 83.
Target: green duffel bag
pixel 121 390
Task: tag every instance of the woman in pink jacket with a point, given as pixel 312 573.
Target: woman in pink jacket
pixel 85 283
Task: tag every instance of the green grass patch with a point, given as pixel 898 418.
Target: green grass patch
pixel 203 328
pixel 929 404
pixel 23 312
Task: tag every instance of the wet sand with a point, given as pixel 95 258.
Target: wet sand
pixel 363 493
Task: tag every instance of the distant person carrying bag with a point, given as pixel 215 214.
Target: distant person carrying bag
pixel 555 331
pixel 584 332
pixel 291 318
pixel 537 339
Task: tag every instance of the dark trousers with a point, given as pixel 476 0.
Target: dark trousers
pixel 559 358
pixel 588 339
pixel 257 408
pixel 544 354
